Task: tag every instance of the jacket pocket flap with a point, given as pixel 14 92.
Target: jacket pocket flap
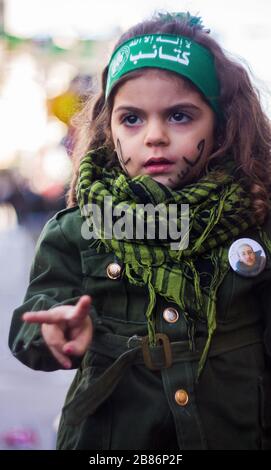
pixel 95 264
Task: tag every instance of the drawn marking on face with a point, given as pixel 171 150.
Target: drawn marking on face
pixel 191 163
pixel 121 159
pixel 201 145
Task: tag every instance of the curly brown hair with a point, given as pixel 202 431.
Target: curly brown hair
pixel 243 133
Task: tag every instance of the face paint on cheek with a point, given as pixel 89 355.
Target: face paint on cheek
pixel 121 159
pixel 190 164
pixel 200 147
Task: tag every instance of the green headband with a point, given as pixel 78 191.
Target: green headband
pixel 178 54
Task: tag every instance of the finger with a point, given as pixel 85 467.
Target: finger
pixel 81 310
pixel 79 345
pixel 55 340
pixel 56 315
pixel 61 358
pixel 38 317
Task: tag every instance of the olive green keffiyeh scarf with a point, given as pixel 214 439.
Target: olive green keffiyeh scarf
pixel 219 210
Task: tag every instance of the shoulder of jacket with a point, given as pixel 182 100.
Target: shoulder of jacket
pixel 63 222
pixel 71 225
pixel 69 221
pixel 66 212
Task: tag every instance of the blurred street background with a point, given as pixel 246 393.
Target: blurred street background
pixel 51 55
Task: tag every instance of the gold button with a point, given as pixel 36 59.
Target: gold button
pixel 181 397
pixel 170 315
pixel 113 270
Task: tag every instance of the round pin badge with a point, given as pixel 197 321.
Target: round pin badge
pixel 247 257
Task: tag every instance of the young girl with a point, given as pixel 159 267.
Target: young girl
pixel 172 345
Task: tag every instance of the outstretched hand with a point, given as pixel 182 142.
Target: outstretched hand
pixel 67 329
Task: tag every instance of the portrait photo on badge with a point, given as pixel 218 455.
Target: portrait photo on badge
pixel 247 257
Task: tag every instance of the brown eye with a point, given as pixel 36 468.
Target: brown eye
pixel 179 118
pixel 131 120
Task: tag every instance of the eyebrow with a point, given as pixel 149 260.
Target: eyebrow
pixel 176 107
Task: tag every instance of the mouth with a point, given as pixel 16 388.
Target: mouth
pixel 158 165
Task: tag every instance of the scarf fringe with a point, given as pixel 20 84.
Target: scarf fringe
pixel 221 268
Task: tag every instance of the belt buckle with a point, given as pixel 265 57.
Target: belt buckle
pixel 160 337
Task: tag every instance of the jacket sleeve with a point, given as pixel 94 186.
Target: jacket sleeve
pixel 55 279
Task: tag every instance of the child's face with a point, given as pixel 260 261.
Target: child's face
pixel 162 128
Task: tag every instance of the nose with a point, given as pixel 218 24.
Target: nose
pixel 156 133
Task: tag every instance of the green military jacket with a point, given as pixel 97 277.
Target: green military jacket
pixel 128 396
